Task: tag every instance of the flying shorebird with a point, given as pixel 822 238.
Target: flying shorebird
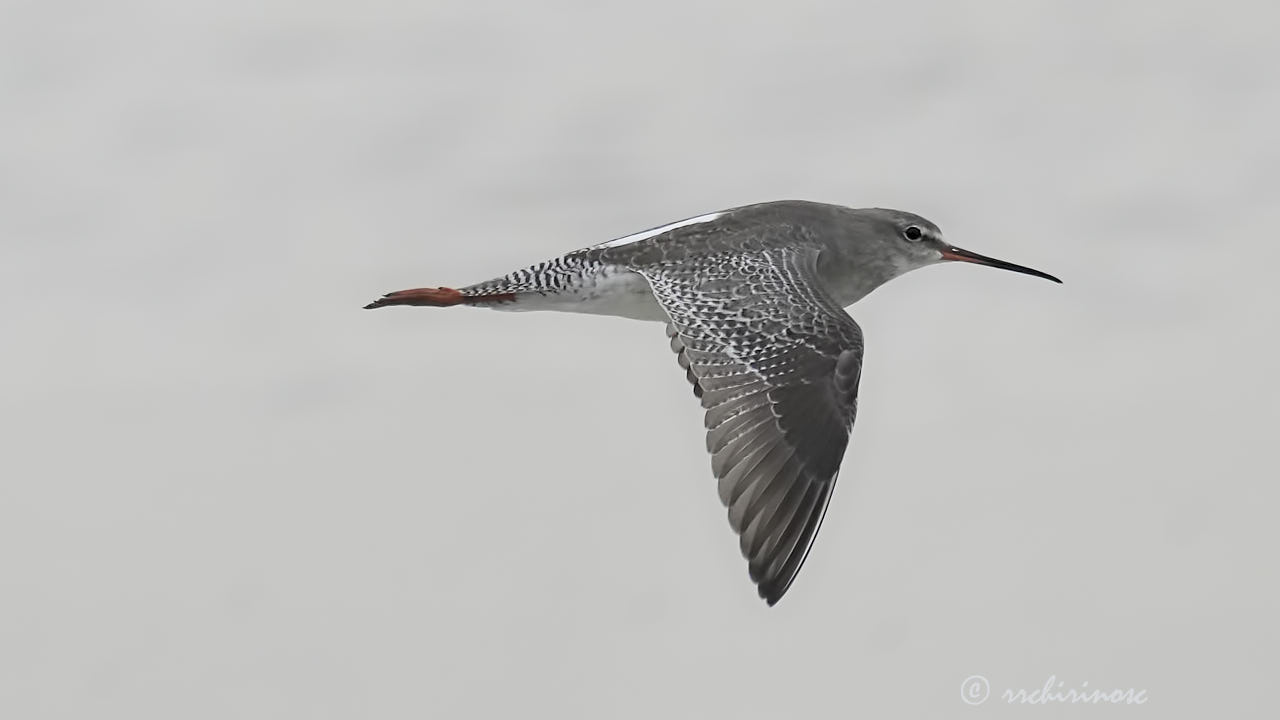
pixel 752 298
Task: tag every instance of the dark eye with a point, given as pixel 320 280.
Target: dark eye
pixel 912 233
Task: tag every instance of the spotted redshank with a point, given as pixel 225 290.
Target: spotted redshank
pixel 752 298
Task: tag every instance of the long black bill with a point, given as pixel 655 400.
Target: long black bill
pixel 955 253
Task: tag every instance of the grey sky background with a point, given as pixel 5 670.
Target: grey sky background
pixel 227 492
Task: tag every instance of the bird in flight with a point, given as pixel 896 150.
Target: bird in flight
pixel 753 301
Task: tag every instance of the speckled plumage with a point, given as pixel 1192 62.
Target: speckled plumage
pixel 753 300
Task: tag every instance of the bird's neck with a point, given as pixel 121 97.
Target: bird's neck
pixel 851 279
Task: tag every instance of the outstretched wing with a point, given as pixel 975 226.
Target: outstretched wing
pixel 776 363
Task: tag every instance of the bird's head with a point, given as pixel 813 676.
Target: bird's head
pixel 884 244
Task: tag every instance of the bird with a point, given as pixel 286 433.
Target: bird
pixel 753 300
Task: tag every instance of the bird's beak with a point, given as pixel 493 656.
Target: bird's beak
pixel 956 254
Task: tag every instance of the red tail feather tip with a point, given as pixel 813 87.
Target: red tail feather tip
pixel 433 297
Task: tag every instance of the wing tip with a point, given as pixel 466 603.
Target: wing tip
pixel 772 589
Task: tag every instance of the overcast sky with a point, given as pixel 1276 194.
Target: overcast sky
pixel 228 492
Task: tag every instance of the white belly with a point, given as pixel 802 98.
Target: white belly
pixel 609 291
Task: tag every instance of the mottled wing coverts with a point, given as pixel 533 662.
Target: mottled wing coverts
pixel 776 364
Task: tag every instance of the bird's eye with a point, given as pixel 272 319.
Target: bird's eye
pixel 912 233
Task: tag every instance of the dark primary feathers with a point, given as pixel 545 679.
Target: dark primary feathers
pixel 776 363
